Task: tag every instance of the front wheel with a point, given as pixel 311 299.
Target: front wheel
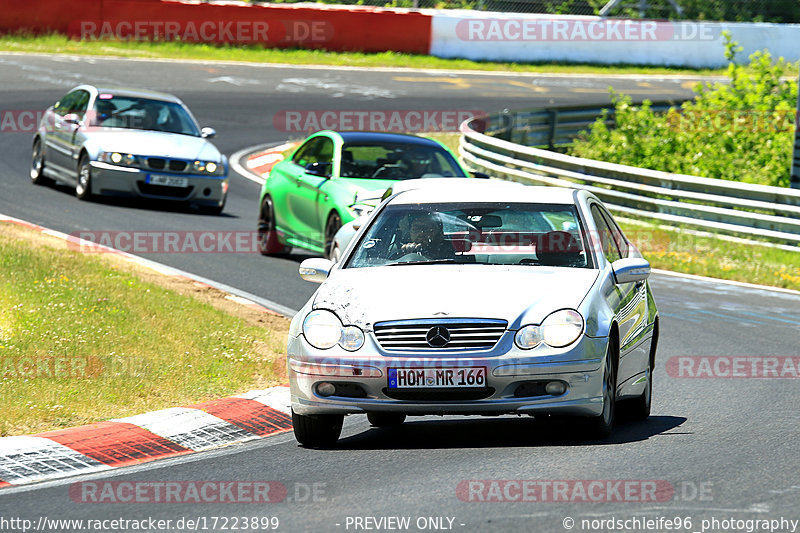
pixel 639 408
pixel 601 425
pixel 268 243
pixel 37 163
pixel 83 188
pixel 317 431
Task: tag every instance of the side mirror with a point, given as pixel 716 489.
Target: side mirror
pixel 315 270
pixel 72 118
pixel 208 133
pixel 319 169
pixel 482 175
pixel 630 270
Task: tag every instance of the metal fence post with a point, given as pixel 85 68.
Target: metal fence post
pixel 795 181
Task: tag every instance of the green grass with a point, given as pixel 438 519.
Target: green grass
pixel 200 51
pixel 679 251
pixel 83 338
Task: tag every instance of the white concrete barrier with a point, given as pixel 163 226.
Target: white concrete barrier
pixel 480 35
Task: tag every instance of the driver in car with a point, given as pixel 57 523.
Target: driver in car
pixel 426 237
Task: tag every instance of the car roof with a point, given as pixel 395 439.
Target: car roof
pixel 137 93
pixel 482 190
pixel 379 136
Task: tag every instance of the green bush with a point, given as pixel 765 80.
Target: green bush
pixel 742 130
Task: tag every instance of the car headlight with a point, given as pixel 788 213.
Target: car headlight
pixel 206 167
pixel 118 158
pixel 528 337
pixel 562 328
pixel 352 338
pixel 360 210
pixel 323 330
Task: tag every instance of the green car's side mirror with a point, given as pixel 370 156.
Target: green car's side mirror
pixel 319 169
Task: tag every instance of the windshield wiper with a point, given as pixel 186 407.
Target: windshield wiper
pixel 428 262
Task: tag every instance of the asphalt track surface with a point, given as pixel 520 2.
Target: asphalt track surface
pixel 728 447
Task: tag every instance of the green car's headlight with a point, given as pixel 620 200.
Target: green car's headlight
pixel 562 328
pixel 323 330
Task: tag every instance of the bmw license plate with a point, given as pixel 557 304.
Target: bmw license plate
pixel 169 181
pixel 423 378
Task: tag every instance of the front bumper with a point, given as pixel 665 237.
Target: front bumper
pixel 112 180
pixel 514 384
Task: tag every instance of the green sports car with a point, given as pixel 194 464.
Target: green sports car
pixel 334 177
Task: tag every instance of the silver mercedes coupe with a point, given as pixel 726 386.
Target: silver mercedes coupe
pixel 476 300
pixel 129 142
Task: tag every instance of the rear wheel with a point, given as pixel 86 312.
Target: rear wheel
pixel 386 419
pixel 600 426
pixel 37 164
pixel 317 431
pixel 83 188
pixel 268 242
pixel 331 227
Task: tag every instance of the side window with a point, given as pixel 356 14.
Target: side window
pixel 81 103
pixel 616 233
pixel 610 249
pixel 325 152
pixel 308 152
pixel 66 103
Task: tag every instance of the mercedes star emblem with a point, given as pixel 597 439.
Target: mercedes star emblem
pixel 438 337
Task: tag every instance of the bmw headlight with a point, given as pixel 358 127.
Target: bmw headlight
pixel 562 328
pixel 206 167
pixel 118 158
pixel 323 329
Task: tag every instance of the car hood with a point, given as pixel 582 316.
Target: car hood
pixel 364 296
pixel 365 187
pixel 155 143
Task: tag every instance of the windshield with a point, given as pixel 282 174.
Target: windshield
pixel 397 161
pixel 479 233
pixel 126 112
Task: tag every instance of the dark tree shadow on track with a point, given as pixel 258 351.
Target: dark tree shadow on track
pixel 504 432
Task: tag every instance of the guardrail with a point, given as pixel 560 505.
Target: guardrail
pixel 493 144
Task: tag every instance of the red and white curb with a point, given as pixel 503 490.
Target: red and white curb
pixel 150 436
pixel 143 438
pixel 259 162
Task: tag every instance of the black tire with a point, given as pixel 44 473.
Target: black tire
pixel 37 164
pixel 639 408
pixel 83 185
pixel 601 426
pixel 317 431
pixel 331 227
pixel 268 242
pixel 382 420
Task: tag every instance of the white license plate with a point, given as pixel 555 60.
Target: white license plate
pixel 424 378
pixel 169 181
